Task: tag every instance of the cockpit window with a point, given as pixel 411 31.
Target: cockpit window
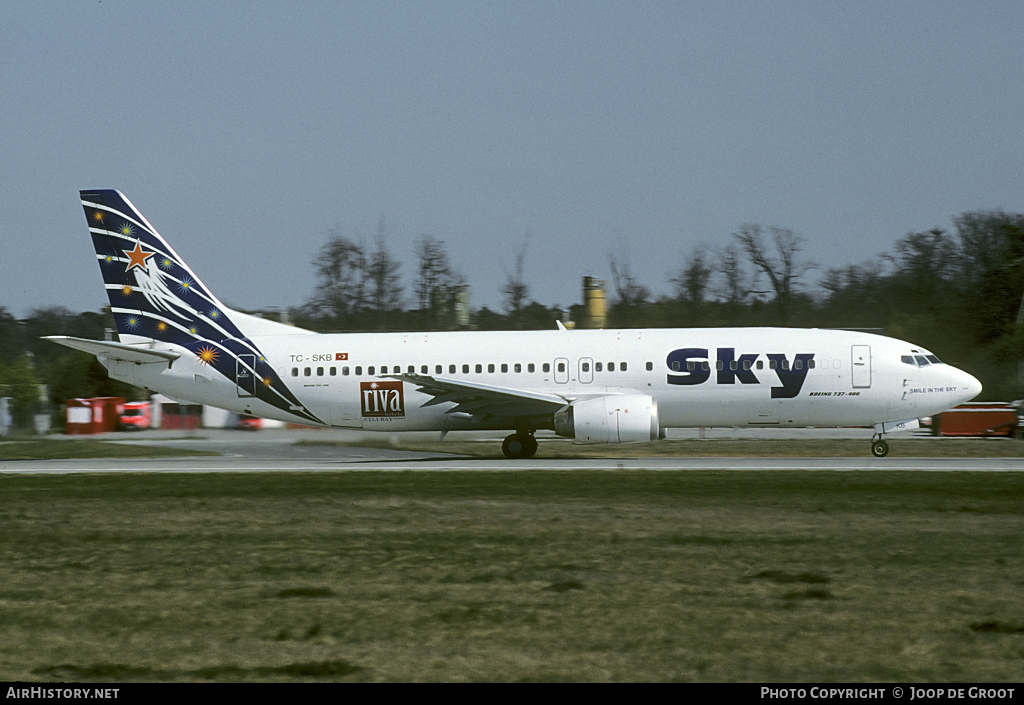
pixel 920 360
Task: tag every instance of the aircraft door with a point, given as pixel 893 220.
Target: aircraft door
pixel 861 374
pixel 586 370
pixel 245 375
pixel 561 370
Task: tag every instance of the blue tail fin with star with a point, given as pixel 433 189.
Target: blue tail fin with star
pixel 153 293
pixel 159 304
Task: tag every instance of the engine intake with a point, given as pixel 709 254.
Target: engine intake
pixel 622 418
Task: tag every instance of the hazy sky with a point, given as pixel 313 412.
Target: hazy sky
pixel 246 131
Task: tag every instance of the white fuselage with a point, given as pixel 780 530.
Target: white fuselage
pixel 698 377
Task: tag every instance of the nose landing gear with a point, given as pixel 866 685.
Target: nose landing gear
pixel 879 448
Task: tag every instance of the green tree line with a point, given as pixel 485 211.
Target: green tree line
pixel 27 361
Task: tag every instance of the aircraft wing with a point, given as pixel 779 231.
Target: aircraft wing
pixel 483 400
pixel 115 351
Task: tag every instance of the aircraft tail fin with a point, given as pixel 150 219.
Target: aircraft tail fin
pixel 153 293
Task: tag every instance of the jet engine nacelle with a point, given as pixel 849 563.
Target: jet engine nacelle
pixel 625 418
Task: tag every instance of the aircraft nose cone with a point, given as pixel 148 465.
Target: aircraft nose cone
pixel 963 387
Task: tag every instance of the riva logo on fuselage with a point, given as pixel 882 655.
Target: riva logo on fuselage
pixel 689 366
pixel 382 399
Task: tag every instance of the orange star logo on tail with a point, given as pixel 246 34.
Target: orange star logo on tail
pixel 137 257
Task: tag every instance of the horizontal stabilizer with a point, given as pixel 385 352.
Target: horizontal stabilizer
pixel 115 351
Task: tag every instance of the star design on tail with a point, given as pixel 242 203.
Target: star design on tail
pixel 207 355
pixel 137 257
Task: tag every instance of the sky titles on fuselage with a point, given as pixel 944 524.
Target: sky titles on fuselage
pixel 691 366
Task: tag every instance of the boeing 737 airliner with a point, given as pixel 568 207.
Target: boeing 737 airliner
pixel 594 386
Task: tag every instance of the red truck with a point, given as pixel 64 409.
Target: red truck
pixel 979 419
pixel 136 416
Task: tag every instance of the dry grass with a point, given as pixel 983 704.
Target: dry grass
pixel 583 576
pixel 49 448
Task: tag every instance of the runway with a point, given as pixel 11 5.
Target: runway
pixel 270 451
pixel 228 465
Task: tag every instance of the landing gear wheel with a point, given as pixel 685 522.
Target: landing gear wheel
pixel 531 446
pixel 879 448
pixel 519 445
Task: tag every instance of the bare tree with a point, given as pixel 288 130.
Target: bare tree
pixel 856 294
pixel 693 282
pixel 628 290
pixel 437 283
pixel 926 262
pixel 341 280
pixel 735 283
pixel 515 289
pixel 782 268
pixel 352 281
pixel 385 291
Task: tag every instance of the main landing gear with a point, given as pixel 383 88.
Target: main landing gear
pixel 521 444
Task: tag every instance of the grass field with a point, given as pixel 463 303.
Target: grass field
pixel 509 576
pixel 47 448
